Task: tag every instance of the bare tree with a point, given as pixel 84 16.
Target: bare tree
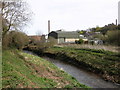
pixel 14 15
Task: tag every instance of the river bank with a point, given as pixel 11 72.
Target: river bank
pixel 106 64
pixel 84 77
pixel 22 70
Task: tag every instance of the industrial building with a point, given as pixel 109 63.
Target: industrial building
pixel 64 36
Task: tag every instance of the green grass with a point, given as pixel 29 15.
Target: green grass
pixel 0 66
pixel 21 70
pixel 105 63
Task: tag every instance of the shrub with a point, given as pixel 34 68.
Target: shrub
pixel 42 45
pixel 80 41
pixel 91 42
pixel 6 41
pixel 51 42
pixel 113 37
pixel 15 39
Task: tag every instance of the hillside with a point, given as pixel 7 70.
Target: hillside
pixel 21 70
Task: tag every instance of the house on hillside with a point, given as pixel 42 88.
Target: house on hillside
pixel 64 36
pixel 90 35
pixel 92 39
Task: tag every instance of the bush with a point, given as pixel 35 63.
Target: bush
pixel 15 39
pixel 42 45
pixel 91 42
pixel 113 37
pixel 80 41
pixel 6 41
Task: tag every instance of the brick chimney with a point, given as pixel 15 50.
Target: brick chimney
pixel 116 22
pixel 48 26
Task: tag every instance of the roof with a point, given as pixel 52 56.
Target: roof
pixel 67 34
pixel 36 37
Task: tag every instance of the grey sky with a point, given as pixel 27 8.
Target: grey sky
pixel 119 13
pixel 71 15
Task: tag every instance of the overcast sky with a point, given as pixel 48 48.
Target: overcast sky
pixel 70 15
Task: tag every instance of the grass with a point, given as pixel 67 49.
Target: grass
pixel 0 65
pixel 104 63
pixel 21 70
pixel 97 47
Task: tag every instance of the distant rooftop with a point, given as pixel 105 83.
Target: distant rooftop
pixel 67 34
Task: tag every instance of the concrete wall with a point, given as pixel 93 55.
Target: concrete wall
pixel 67 40
pixel 61 40
pixel 71 40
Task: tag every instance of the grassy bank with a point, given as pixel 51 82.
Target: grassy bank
pixel 21 70
pixel 97 47
pixel 104 63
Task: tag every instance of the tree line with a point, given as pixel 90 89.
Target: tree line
pixel 109 34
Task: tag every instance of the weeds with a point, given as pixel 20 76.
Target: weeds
pixel 98 61
pixel 21 70
pixel 97 47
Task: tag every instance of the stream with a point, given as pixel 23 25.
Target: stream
pixel 83 76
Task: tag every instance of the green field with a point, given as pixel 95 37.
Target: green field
pixel 21 70
pixel 104 63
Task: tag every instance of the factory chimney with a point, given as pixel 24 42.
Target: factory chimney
pixel 48 26
pixel 116 22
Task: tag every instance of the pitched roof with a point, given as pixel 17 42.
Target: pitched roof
pixel 35 37
pixel 67 34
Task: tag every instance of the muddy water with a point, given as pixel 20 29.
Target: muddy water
pixel 84 77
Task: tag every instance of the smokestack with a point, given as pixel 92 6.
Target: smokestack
pixel 116 22
pixel 48 26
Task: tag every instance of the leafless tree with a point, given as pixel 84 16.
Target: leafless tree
pixel 15 14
